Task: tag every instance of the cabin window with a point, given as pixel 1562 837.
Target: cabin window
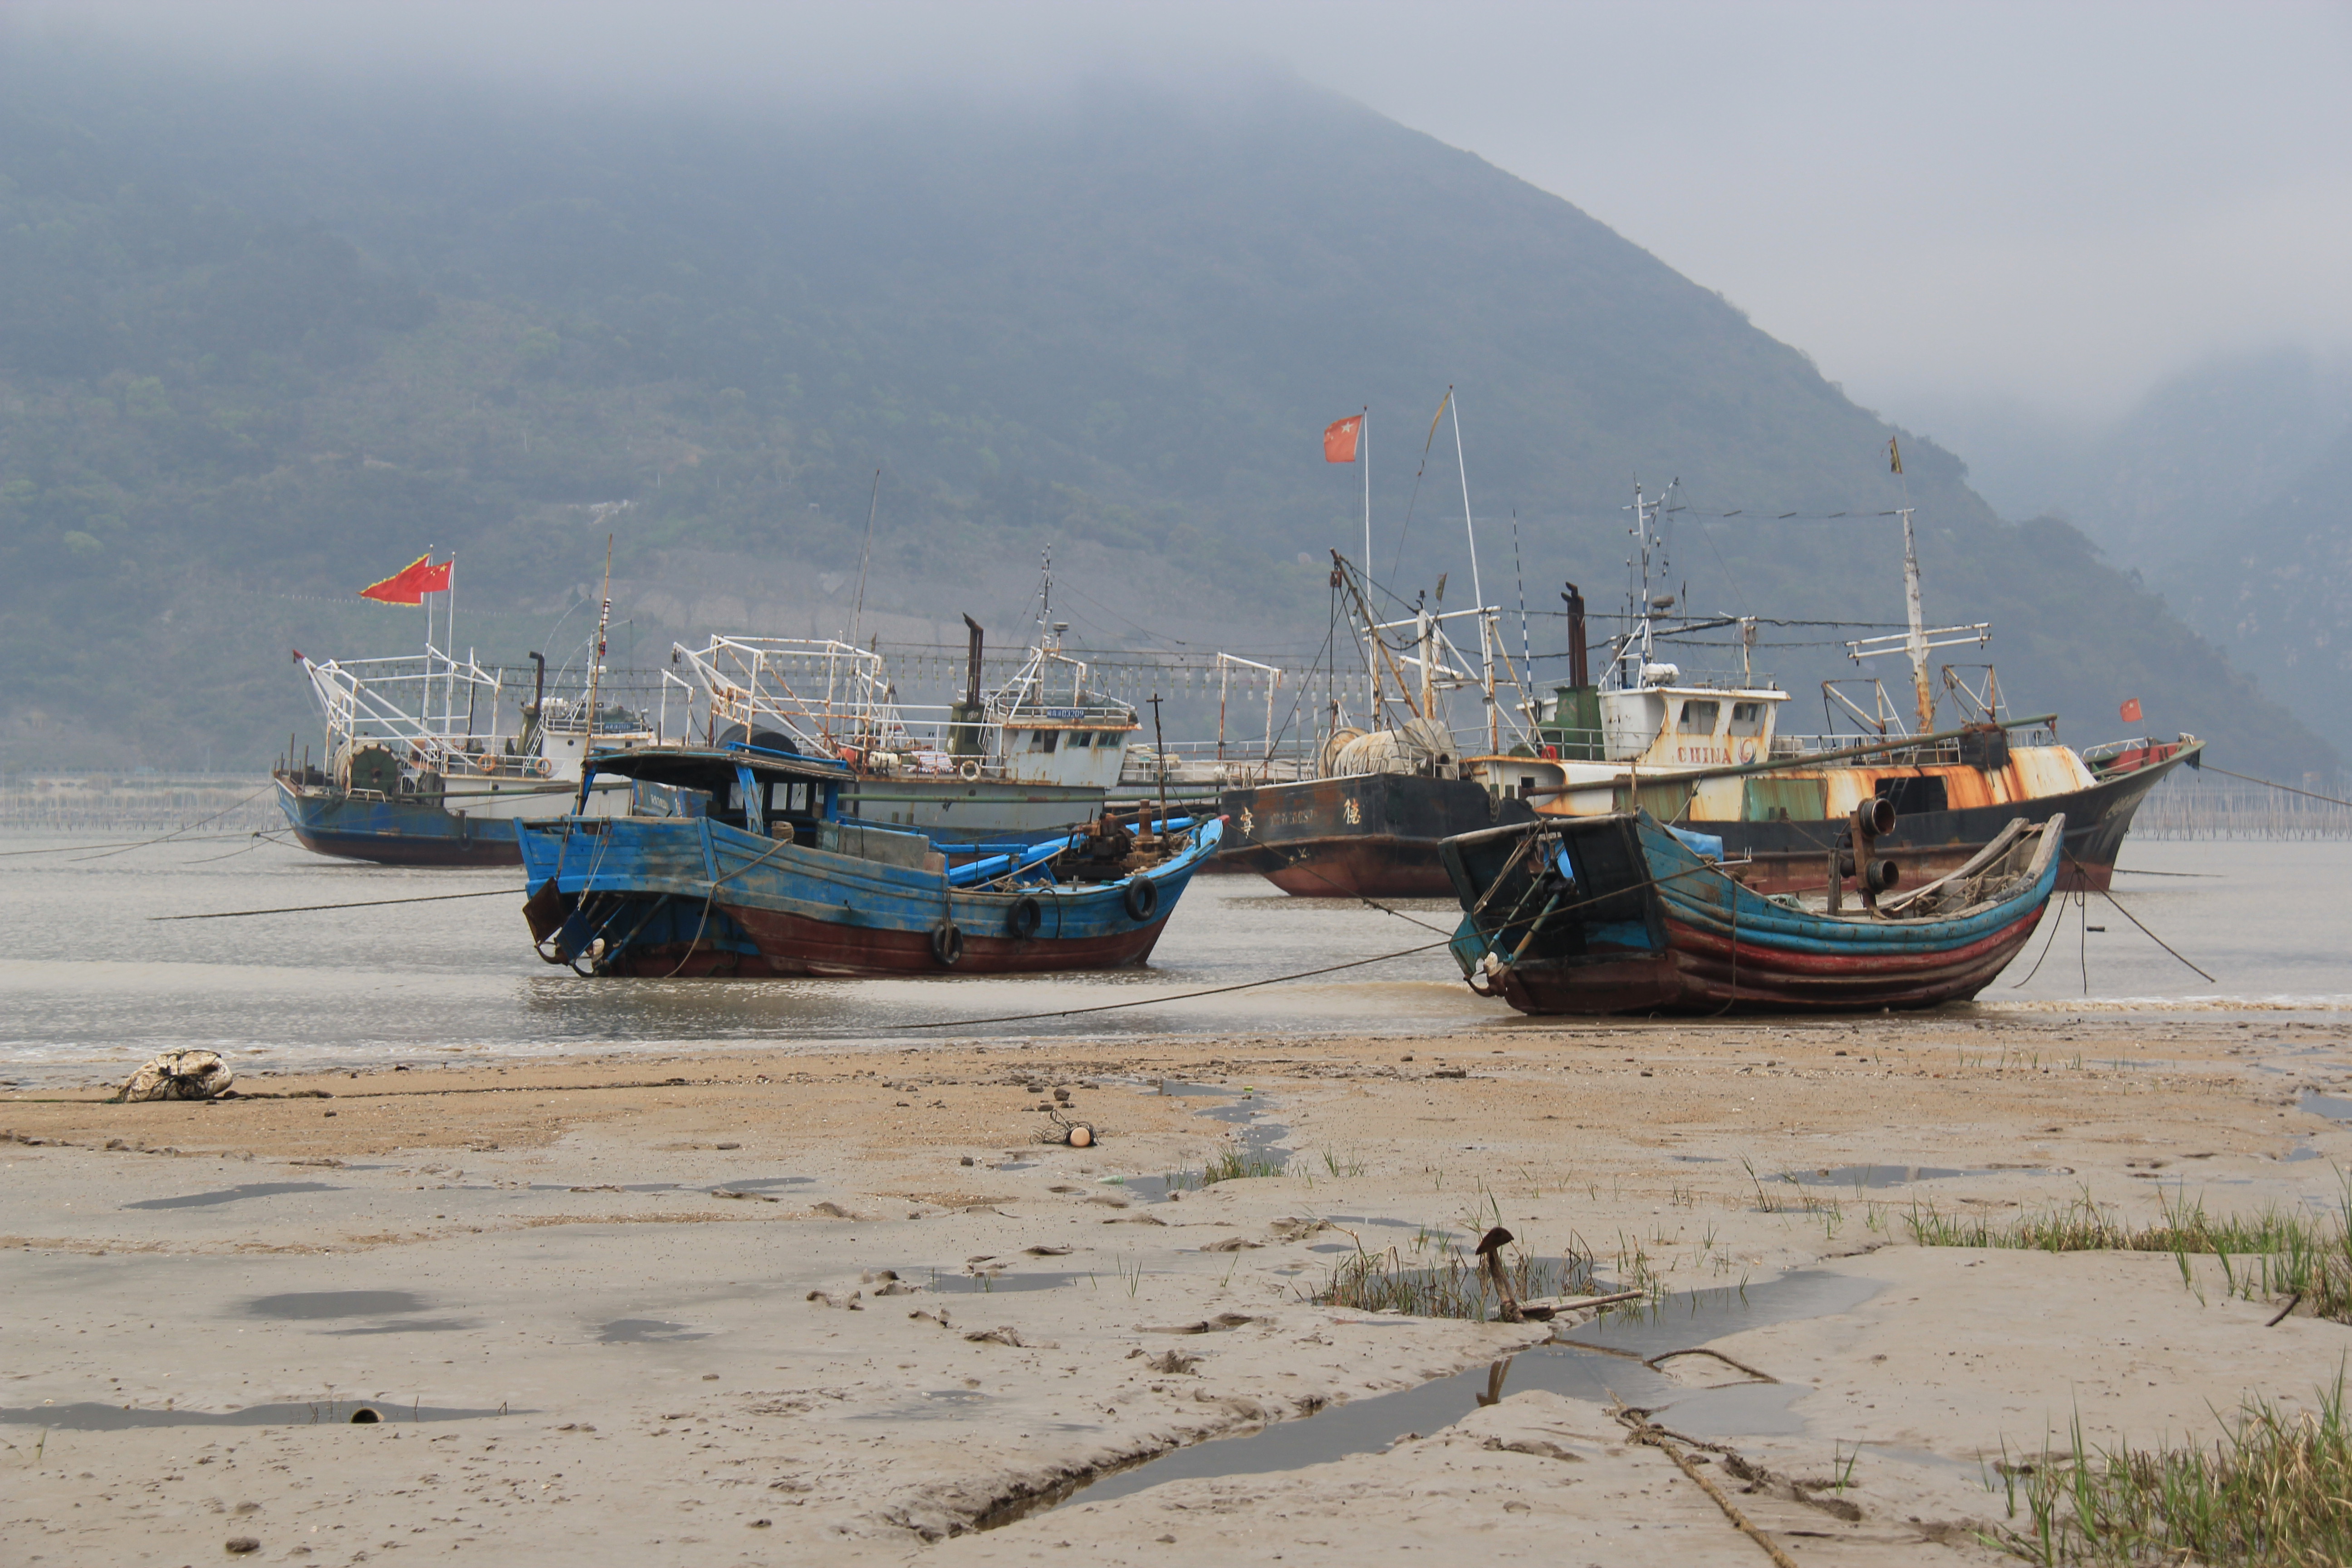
pixel 1047 740
pixel 1698 717
pixel 1081 737
pixel 1747 718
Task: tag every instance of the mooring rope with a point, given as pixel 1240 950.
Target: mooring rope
pixel 1181 996
pixel 2269 783
pixel 191 827
pixel 362 904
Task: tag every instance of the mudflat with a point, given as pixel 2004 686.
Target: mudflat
pixel 817 1305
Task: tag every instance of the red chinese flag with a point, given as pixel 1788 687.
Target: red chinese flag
pixel 1340 439
pixel 2131 710
pixel 411 583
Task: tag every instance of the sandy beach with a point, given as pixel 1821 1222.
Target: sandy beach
pixel 772 1306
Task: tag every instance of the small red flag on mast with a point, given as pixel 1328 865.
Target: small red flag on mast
pixel 411 583
pixel 1340 439
pixel 2130 710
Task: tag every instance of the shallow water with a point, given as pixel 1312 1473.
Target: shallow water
pixel 1585 1368
pixel 93 983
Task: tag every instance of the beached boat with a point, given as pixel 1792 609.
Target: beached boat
pixel 1026 761
pixel 1705 750
pixel 1618 913
pixel 419 769
pixel 762 875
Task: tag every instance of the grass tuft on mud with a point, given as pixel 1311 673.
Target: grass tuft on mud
pixel 2274 1490
pixel 1435 1276
pixel 2275 1254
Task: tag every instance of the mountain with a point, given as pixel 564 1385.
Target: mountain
pixel 2159 488
pixel 264 337
pixel 2276 589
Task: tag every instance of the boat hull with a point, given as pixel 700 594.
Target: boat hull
pixel 1372 836
pixel 1647 926
pixel 696 899
pixel 392 832
pixel 979 811
pixel 1701 972
pixel 1794 857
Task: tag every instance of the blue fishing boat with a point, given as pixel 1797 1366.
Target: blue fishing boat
pixel 1621 914
pixel 766 878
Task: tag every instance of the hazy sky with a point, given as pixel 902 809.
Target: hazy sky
pixel 2054 204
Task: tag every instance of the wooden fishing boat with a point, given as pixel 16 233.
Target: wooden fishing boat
pixel 1619 914
pixel 766 878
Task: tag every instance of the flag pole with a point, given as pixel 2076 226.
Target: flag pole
pixel 1364 458
pixel 450 631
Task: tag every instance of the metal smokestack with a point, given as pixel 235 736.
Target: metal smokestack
pixel 1577 674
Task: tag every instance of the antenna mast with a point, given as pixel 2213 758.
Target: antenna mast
pixel 1478 593
pixel 1916 643
pixel 857 616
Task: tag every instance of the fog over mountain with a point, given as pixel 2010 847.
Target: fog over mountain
pixel 265 333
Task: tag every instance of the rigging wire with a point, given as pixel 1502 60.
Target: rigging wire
pixel 1406 532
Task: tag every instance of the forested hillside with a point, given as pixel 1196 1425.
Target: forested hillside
pixel 263 339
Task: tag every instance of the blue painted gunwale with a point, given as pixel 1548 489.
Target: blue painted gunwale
pixel 1705 900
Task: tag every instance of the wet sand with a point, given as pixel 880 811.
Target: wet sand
pixel 638 1308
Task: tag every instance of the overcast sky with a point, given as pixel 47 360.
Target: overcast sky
pixel 2051 203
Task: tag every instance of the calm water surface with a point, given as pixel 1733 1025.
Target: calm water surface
pixel 92 983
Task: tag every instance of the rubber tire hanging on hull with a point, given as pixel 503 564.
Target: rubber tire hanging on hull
pixel 947 943
pixel 1142 898
pixel 1026 916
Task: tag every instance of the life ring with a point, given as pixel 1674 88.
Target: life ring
pixel 947 943
pixel 969 772
pixel 1142 898
pixel 488 763
pixel 1026 915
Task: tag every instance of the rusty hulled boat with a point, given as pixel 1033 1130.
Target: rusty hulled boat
pixel 1705 750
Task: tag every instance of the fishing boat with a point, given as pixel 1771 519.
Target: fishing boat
pixel 762 875
pixel 1369 819
pixel 1706 750
pixel 1619 913
pixel 1024 761
pixel 418 768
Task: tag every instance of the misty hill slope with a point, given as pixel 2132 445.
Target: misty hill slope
pixel 2277 591
pixel 2161 488
pixel 262 341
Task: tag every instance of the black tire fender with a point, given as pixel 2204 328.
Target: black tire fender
pixel 1026 915
pixel 1142 898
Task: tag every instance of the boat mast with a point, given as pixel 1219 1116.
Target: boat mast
pixel 1478 593
pixel 1916 643
pixel 596 671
